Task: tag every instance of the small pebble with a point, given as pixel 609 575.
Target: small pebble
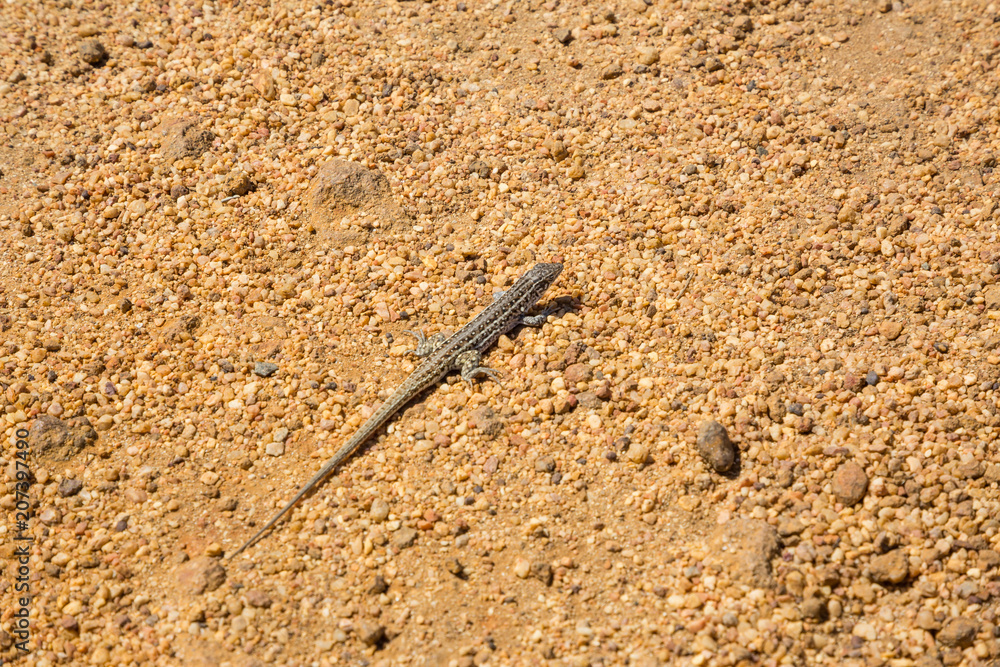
pixel 92 52
pixel 850 483
pixel 543 572
pixel 612 71
pixel 958 632
pixel 70 487
pixel 891 330
pixel 369 633
pixel 814 609
pixel 379 586
pixel 637 453
pixel 404 538
pixel 890 568
pixel 257 598
pixel 379 511
pixel 200 575
pixel 264 369
pixel 545 464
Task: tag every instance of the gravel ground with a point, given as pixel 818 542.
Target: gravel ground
pixel 758 430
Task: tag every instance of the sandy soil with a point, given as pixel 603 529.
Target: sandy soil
pixel 758 428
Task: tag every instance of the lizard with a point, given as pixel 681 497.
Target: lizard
pixel 442 354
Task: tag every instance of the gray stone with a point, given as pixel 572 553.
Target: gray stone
pixel 264 369
pixel 715 446
pixel 70 487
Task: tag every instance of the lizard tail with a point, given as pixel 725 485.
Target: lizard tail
pixel 375 422
pixel 317 478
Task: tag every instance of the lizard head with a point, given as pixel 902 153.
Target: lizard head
pixel 543 274
pixel 533 284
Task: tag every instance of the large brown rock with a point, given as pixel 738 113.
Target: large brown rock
pixel 182 329
pixel 200 575
pixel 57 440
pixel 343 184
pixel 183 137
pixel 347 202
pixel 744 548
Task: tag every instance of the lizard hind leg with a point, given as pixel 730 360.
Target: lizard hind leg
pixel 468 364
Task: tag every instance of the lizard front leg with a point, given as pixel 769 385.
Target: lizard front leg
pixel 426 346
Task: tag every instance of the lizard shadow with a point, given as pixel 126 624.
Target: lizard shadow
pixel 561 305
